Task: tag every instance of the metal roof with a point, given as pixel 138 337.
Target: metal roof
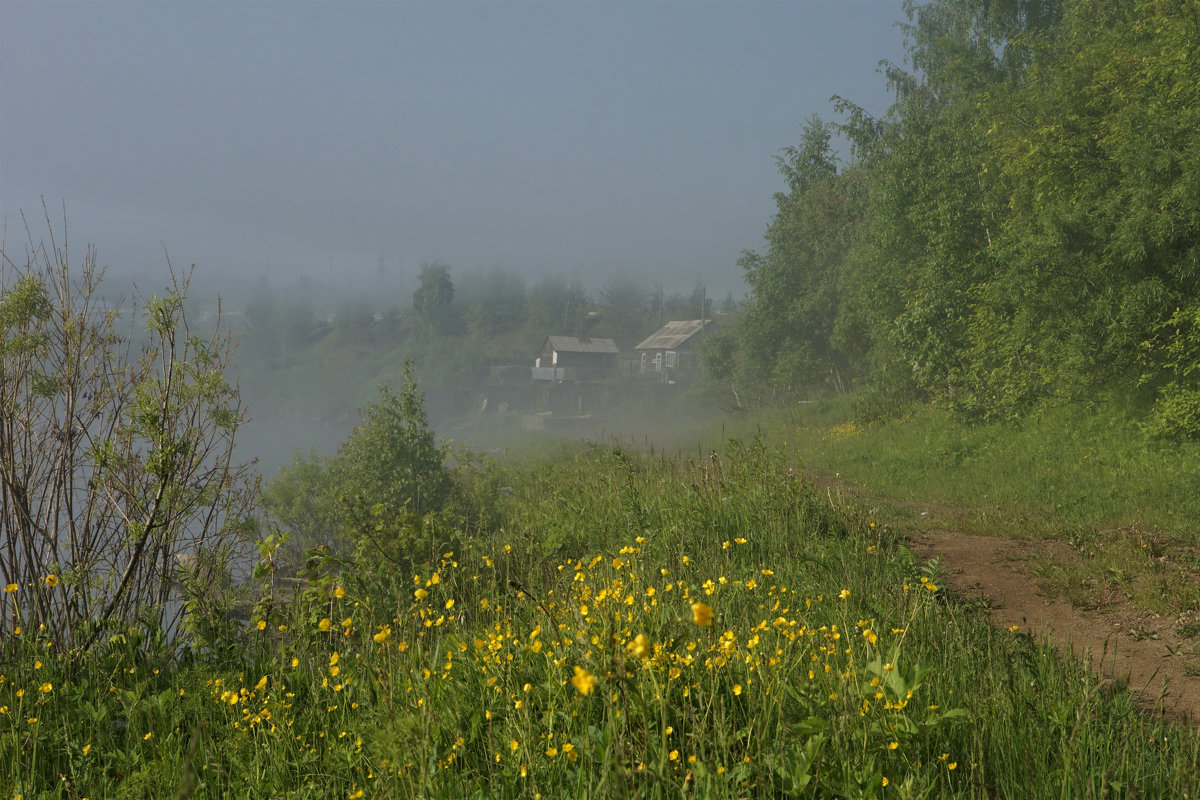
pixel 575 344
pixel 673 334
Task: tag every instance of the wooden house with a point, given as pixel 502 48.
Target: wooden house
pixel 673 349
pixel 572 358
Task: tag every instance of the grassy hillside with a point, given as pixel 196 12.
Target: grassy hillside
pixel 594 623
pixel 1126 501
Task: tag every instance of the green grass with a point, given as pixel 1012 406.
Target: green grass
pixel 1126 502
pixel 554 647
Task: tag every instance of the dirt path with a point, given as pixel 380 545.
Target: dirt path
pixel 1125 646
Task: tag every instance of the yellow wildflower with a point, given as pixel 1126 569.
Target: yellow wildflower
pixel 640 646
pixel 583 681
pixel 52 580
pixel 702 614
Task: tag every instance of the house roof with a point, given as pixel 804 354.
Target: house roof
pixel 575 344
pixel 673 335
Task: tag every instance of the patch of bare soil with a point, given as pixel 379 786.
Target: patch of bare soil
pixel 1123 644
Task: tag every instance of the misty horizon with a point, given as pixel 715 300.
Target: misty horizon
pixel 349 144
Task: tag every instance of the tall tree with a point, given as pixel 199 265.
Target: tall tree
pixel 786 331
pixel 928 248
pixel 554 307
pixel 433 296
pixel 1095 156
pixel 494 301
pixel 624 311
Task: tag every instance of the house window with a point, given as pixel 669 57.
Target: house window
pixel 671 361
pixel 554 357
pixel 658 361
pixel 643 362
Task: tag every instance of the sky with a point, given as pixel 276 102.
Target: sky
pixel 348 142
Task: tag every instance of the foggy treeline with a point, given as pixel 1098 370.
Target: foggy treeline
pixel 483 316
pixel 1022 227
pixel 308 362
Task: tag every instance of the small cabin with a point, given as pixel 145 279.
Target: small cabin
pixel 573 358
pixel 673 349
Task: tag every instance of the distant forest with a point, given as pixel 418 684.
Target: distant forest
pixel 458 325
pixel 1022 227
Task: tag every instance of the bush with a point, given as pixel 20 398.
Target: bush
pixel 387 472
pixel 1176 412
pixel 115 461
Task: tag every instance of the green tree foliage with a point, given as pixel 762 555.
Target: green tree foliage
pixel 388 470
pixel 354 322
pixel 116 464
pixel 279 326
pixel 786 332
pixel 391 458
pixel 932 226
pixel 1173 360
pixel 1096 156
pixel 1020 228
pixel 432 299
pixel 624 312
pixel 555 307
pixel 302 500
pixel 494 302
pixel 680 305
